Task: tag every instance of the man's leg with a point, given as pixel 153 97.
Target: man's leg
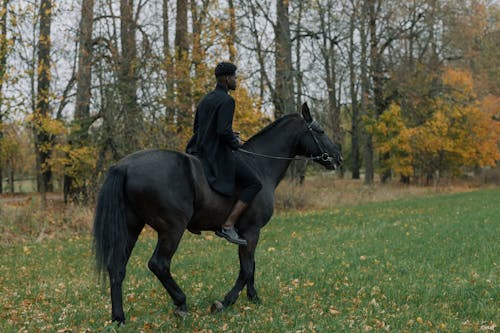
pixel 250 186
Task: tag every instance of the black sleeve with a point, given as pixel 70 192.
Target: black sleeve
pixel 225 124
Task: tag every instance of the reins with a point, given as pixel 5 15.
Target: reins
pixel 312 158
pixel 325 157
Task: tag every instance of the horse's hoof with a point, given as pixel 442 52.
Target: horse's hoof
pixel 180 313
pixel 217 307
pixel 119 320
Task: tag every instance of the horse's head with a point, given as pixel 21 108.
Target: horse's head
pixel 315 143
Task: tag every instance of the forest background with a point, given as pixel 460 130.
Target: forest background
pixel 409 88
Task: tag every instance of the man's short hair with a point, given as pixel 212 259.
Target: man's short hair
pixel 225 68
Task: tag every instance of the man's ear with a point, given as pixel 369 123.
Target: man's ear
pixel 306 113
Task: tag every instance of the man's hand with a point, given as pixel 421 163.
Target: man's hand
pixel 238 137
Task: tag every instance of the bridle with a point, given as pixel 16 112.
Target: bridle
pixel 311 127
pixel 325 157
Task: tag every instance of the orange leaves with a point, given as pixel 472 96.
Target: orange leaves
pixel 458 131
pixel 460 83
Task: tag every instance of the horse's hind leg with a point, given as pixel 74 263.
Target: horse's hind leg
pixel 117 270
pixel 159 264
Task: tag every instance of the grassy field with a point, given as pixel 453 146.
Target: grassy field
pixel 416 265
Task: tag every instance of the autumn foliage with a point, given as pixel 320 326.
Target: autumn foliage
pixel 459 132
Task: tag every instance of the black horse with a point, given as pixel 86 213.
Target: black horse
pixel 168 191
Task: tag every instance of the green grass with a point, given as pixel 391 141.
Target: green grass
pixel 416 265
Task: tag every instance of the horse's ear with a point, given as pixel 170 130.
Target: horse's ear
pixel 306 113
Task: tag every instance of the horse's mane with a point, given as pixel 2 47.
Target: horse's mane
pixel 272 125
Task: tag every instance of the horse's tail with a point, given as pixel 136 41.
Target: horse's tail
pixel 110 225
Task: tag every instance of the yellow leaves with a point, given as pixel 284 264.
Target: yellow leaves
pixel 393 137
pixel 460 82
pixel 308 284
pixel 248 118
pixel 457 131
pixel 442 326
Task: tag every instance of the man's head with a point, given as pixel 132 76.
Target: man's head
pixel 225 72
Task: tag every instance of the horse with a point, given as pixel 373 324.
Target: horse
pixel 168 191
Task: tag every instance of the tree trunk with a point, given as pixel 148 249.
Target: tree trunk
pixel 329 54
pixel 355 118
pixel 168 60
pixel 283 98
pixel 43 139
pixel 3 63
pixel 79 136
pixel 166 31
pixel 231 40
pixel 11 179
pixel 377 74
pixel 297 169
pixel 182 68
pixel 84 74
pixel 365 88
pixel 198 15
pixel 128 76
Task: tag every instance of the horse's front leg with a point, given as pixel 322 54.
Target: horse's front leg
pixel 245 277
pixel 251 291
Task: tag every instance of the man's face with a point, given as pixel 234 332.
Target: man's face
pixel 231 82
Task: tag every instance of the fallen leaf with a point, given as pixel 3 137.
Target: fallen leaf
pixel 334 311
pixel 489 327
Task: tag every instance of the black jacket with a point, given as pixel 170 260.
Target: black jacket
pixel 214 141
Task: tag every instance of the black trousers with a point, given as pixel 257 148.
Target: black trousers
pixel 247 182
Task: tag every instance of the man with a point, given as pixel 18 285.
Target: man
pixel 214 142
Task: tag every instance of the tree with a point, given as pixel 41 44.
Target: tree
pixel 4 42
pixel 183 117
pixel 127 75
pixel 84 75
pixel 393 138
pixel 231 40
pixel 329 51
pixel 459 133
pixel 283 98
pixel 79 141
pixel 366 113
pixel 14 149
pixel 353 92
pixel 44 140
